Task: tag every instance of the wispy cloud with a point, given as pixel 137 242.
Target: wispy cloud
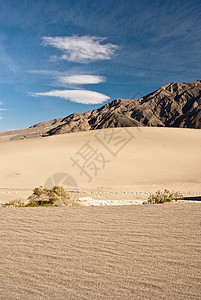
pixel 82 79
pixel 78 96
pixel 1 109
pixel 6 60
pixel 81 49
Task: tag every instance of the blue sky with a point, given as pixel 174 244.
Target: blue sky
pixel 60 57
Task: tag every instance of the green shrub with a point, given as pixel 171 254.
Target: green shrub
pixel 163 197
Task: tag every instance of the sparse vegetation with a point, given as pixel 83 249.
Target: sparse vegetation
pixel 14 203
pixel 57 196
pixel 163 197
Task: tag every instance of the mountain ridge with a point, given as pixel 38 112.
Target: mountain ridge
pixel 172 105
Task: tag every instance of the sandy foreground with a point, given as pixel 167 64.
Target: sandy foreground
pixel 102 252
pixel 111 164
pixel 127 252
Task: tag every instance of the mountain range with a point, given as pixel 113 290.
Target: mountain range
pixel 172 105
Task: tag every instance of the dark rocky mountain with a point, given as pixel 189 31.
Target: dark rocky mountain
pixel 173 105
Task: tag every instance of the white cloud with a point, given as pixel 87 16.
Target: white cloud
pixel 82 79
pixel 81 49
pixel 78 96
pixel 1 109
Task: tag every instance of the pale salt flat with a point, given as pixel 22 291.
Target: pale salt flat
pixel 88 201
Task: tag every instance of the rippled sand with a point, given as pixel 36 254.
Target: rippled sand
pixel 122 252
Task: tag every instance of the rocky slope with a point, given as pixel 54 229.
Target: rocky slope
pixel 173 105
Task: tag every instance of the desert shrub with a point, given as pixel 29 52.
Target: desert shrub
pixel 57 196
pixel 163 197
pixel 40 191
pixel 39 199
pixel 32 203
pixel 14 203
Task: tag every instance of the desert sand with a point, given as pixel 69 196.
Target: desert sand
pixel 130 163
pixel 111 252
pixel 121 252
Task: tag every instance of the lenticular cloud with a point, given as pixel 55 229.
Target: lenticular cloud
pixel 81 49
pixel 78 96
pixel 82 79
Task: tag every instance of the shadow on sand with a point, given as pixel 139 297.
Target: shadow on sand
pixel 196 198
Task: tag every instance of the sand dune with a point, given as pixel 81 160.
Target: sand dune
pixel 136 252
pixel 148 159
pixel 116 252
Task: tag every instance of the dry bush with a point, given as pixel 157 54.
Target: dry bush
pixel 57 196
pixel 14 203
pixel 163 197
